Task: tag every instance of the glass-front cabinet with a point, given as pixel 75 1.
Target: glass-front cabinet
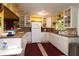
pixel 67 17
pixel 70 17
pixel 24 21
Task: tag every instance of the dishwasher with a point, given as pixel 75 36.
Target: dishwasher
pixel 74 49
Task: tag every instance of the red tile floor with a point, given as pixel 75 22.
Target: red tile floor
pixel 32 49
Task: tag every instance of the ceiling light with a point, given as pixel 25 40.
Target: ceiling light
pixel 43 13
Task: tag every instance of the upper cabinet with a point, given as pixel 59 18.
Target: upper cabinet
pixel 24 21
pixel 70 17
pixel 48 22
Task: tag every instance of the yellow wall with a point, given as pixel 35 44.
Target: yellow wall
pixel 62 14
pixel 2 21
pixel 36 18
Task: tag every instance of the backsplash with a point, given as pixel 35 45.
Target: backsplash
pixel 48 30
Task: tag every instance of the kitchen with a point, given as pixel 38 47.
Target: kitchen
pixel 59 27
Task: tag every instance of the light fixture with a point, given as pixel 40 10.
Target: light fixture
pixel 42 13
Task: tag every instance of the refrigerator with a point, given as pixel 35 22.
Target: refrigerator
pixel 36 32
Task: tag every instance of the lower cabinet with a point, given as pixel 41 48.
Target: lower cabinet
pixel 28 37
pixel 25 39
pixel 44 37
pixel 12 43
pixel 61 42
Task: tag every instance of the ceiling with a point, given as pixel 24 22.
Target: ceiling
pixel 51 8
pixel 9 14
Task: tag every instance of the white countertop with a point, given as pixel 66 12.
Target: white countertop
pixel 11 51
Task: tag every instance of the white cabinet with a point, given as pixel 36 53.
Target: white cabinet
pixel 12 43
pixel 78 23
pixel 48 37
pixel 24 21
pixel 21 21
pixel 61 42
pixel 70 17
pixel 48 22
pixel 28 37
pixel 44 36
pixel 25 39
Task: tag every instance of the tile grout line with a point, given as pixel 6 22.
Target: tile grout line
pixel 42 49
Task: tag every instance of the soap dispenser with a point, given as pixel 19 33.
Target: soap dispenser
pixel 5 45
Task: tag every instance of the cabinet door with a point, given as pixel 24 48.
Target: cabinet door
pixel 48 22
pixel 67 18
pixel 53 39
pixel 44 36
pixel 27 22
pixel 29 38
pixel 70 19
pixel 60 42
pixel 74 15
pixel 63 44
pixel 13 43
pixel 48 36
